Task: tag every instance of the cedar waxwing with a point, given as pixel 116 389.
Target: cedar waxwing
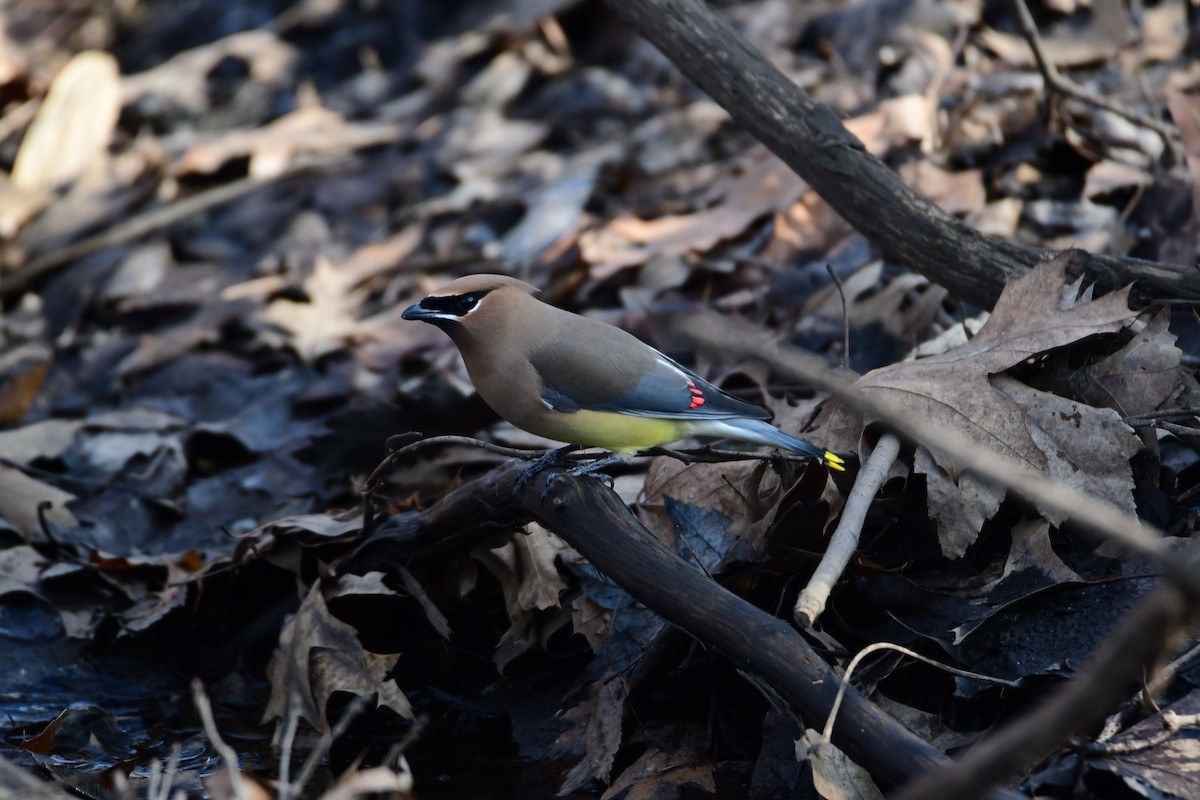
pixel 578 380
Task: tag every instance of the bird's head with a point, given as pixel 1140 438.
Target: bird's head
pixel 470 302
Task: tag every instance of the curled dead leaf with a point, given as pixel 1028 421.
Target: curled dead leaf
pixel 73 127
pixel 964 389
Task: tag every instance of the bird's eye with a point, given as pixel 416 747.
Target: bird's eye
pixel 468 302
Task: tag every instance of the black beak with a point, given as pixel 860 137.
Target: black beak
pixel 415 311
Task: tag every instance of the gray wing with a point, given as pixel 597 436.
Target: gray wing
pixel 658 386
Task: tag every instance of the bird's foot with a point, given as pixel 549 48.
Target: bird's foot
pixel 548 458
pixel 591 468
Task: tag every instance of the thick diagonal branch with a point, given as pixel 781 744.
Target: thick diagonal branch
pixel 593 520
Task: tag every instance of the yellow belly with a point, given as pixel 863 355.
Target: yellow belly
pixel 617 432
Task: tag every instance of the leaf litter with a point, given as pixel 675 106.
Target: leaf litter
pixel 190 404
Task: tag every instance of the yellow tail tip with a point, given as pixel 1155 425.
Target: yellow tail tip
pixel 834 461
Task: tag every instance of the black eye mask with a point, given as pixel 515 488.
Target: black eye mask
pixel 457 304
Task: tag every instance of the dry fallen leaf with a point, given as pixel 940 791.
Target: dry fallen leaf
pixel 20 570
pixel 327 319
pixel 17 207
pixel 675 764
pixel 1185 110
pixel 23 369
pixel 553 212
pixel 1109 176
pixel 1031 550
pixel 20 496
pixel 764 186
pixel 960 192
pixel 1153 763
pixel 739 491
pixel 834 775
pixel 905 307
pixel 1063 51
pixel 356 783
pixel 1141 376
pixel 73 127
pixel 592 735
pixel 272 147
pixel 528 576
pixel 963 389
pixel 220 786
pixel 810 224
pixel 318 655
pixel 896 122
pixel 182 80
pixel 1164 32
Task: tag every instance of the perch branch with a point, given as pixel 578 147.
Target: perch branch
pixel 593 520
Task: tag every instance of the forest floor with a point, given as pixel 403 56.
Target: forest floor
pixel 213 214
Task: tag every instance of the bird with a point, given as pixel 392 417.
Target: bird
pixel 583 382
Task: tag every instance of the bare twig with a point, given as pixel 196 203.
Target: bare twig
pixel 698 455
pixel 415 441
pixel 1135 706
pixel 411 737
pixel 1057 83
pixel 1177 429
pixel 842 544
pixel 161 776
pixel 837 281
pixel 1168 413
pixel 353 709
pixel 291 721
pixel 200 698
pixel 705 455
pixel 153 220
pixel 1172 724
pixel 827 732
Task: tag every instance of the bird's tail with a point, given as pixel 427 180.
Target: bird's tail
pixel 757 431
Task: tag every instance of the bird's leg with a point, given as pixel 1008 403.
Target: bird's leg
pixel 554 456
